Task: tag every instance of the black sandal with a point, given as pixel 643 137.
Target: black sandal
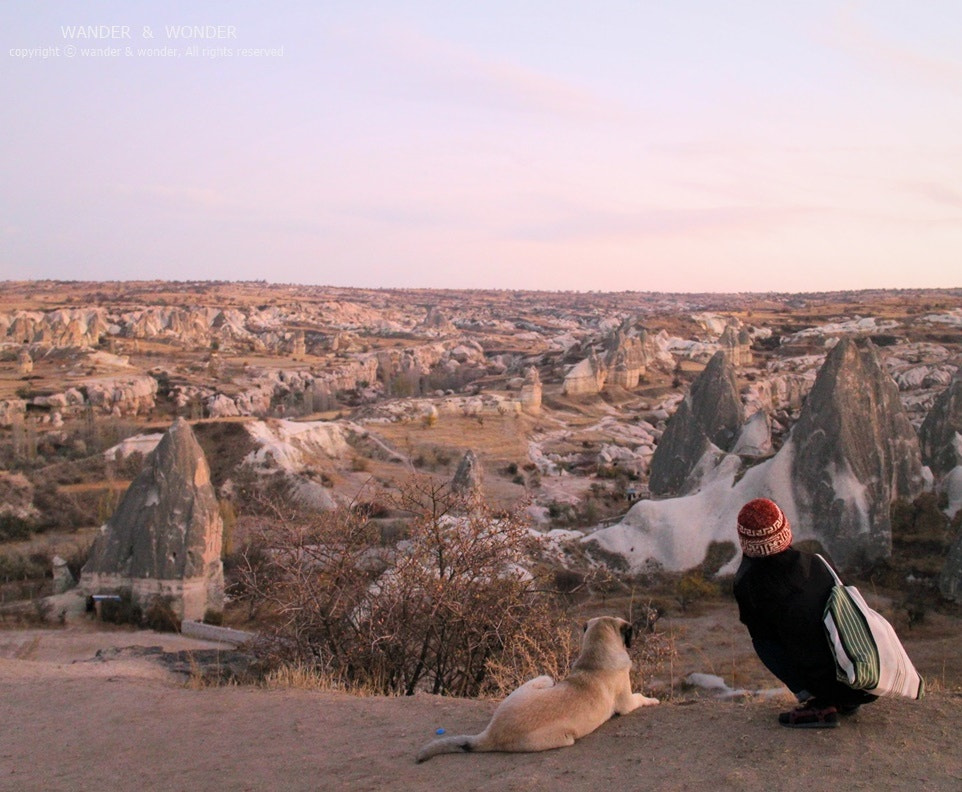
pixel 811 715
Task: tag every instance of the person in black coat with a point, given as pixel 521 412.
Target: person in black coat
pixel 781 594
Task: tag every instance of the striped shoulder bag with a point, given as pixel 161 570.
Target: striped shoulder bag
pixel 868 653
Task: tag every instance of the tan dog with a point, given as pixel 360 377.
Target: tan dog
pixel 541 715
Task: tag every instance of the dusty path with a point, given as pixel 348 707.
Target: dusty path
pixel 127 725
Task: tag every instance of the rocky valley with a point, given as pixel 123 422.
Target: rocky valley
pixel 629 426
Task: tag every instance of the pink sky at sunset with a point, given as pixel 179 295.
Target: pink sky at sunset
pixel 531 145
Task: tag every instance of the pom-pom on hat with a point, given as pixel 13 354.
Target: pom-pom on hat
pixel 763 528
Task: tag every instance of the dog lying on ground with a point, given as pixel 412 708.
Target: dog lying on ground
pixel 542 714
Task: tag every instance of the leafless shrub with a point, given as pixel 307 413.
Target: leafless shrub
pixel 649 655
pixel 64 510
pixel 121 611
pixel 692 588
pixel 449 610
pixel 40 612
pixel 533 653
pixel 159 615
pixel 305 575
pixel 17 567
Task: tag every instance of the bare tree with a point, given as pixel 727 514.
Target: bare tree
pixel 449 609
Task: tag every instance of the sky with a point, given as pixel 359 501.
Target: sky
pixel 692 146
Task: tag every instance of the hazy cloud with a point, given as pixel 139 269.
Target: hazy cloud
pixel 939 193
pixel 185 196
pixel 419 66
pixel 853 34
pixel 588 224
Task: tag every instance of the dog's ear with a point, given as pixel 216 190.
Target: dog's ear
pixel 626 632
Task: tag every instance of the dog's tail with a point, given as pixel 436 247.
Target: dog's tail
pixel 453 744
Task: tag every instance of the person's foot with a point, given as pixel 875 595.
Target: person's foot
pixel 810 715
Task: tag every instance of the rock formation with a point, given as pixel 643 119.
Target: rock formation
pixel 435 321
pixel 941 428
pixel 585 378
pixel 16 494
pixel 164 539
pixel 12 411
pixel 75 327
pixel 438 366
pixel 264 388
pixel 63 578
pixel 950 579
pixel 623 362
pixel 215 367
pixel 626 359
pixel 854 452
pixel 24 361
pixel 940 437
pixel 134 395
pixel 710 415
pixel 738 346
pixel 469 476
pixel 755 438
pixel 25 326
pixel 850 454
pixel 298 346
pixel 531 392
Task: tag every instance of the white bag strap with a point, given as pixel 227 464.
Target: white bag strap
pixel 838 581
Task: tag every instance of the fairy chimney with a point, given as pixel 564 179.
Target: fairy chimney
pixel 164 539
pixel 24 361
pixel 531 392
pixel 738 345
pixel 854 453
pixel 586 378
pixel 299 351
pixel 469 476
pixel 710 416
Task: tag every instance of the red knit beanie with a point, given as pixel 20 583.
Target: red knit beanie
pixel 763 528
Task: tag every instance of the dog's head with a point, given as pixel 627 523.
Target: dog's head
pixel 620 626
pixel 605 643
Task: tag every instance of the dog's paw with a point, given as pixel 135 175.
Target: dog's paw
pixel 638 700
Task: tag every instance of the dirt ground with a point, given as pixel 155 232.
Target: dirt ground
pixel 74 722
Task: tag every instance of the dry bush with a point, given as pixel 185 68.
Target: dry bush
pixel 306 575
pixel 650 653
pixel 449 610
pixel 159 615
pixel 692 588
pixel 122 611
pixel 432 457
pixel 549 649
pixel 18 567
pixel 14 527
